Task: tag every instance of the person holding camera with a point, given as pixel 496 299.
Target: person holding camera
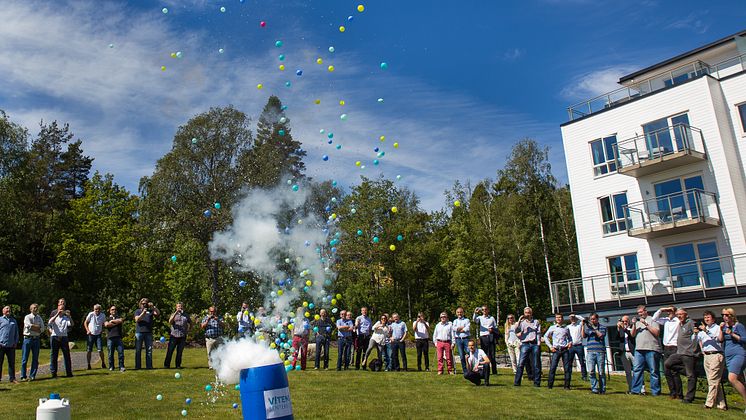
pixel 734 346
pixel 626 347
pixel 710 338
pixel 421 330
pixel 577 350
pixel 595 334
pixel 670 324
pixel 487 333
pixel 145 317
pixel 180 323
pixel 59 325
pixel 558 340
pixel 528 330
pixel 245 323
pixel 213 325
pixel 647 352
pixel 113 325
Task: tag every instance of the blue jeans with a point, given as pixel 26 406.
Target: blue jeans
pixel 387 356
pixel 398 347
pixel 92 340
pixel 579 352
pixel 530 354
pixel 344 347
pixel 646 359
pixel 111 344
pixel 462 345
pixel 30 345
pixel 597 363
pixel 564 355
pixel 147 340
pixel 322 344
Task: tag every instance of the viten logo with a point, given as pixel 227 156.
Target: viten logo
pixel 277 403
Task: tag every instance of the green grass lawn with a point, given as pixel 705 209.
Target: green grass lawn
pixel 339 395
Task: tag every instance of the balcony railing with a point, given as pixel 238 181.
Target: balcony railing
pixel 706 275
pixel 674 213
pixel 655 83
pixel 673 145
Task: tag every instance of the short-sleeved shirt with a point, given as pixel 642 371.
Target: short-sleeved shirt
pixel 420 330
pixel 593 341
pixel 59 325
pixel 180 325
pixel 95 322
pixel 474 358
pixel 644 339
pixel 344 323
pixel 709 340
pixel 398 330
pixel 213 328
pixel 115 331
pixel 145 324
pixel 732 347
pixel 363 325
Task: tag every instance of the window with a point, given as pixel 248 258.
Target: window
pixel 677 199
pixel 613 213
pixel 742 113
pixel 625 274
pixel 667 135
pixel 604 159
pixel 693 262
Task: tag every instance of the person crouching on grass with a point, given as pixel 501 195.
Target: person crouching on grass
pixel 477 365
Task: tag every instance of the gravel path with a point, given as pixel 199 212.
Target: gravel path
pixel 78 359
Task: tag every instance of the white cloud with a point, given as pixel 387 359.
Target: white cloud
pixel 596 83
pixel 513 54
pixel 694 22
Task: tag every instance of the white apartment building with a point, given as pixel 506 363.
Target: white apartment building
pixel 657 173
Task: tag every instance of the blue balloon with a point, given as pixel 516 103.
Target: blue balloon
pixel 207 213
pixel 325 158
pixel 376 149
pixel 299 72
pixel 375 161
pixel 188 401
pixel 339 146
pixel 288 84
pixel 235 405
pixel 327 208
pixel 375 239
pixel 334 249
pixel 330 141
pixel 163 339
pixel 242 283
pixel 282 282
pixel 349 18
pixel 334 183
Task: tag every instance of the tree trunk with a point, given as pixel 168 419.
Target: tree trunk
pixel 545 250
pixel 520 264
pixel 214 287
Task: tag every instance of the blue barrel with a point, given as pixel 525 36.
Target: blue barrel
pixel 265 393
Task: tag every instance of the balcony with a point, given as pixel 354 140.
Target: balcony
pixel 671 214
pixel 707 278
pixel 663 149
pixel 681 74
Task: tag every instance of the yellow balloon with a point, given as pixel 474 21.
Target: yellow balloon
pixel 392 247
pixel 252 317
pixel 334 301
pixel 394 209
pixel 382 138
pixel 334 215
pixel 307 314
pixel 280 292
pixel 330 68
pixel 341 102
pixel 257 321
pixel 316 317
pixel 272 345
pixel 173 55
pixel 341 29
pixel 317 101
pixel 319 61
pixel 282 355
pixel 358 163
pixel 305 304
pixel 457 203
pixel 360 8
pixel 291 326
pixel 259 86
pixel 163 68
pixel 282 67
pixel 396 145
pixel 309 283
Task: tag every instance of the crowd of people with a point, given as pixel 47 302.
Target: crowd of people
pixel 668 337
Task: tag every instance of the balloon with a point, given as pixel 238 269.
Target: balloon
pixel 342 29
pixel 316 317
pixel 194 140
pixel 178 54
pixel 457 203
pixel 317 101
pixel 341 102
pixel 343 117
pixel 288 84
pixel 339 146
pixel 163 339
pixel 208 387
pixel 221 51
pixel 358 163
pixel 297 367
pixel 311 305
pixel 394 209
pixel 384 66
pixel 281 57
pixel 396 145
pixel 331 49
pixel 330 68
pixel 235 405
pixel 173 258
pixel 325 158
pixel 315 329
pixel 380 100
pixel 295 188
pixel 309 282
pixel 207 213
pixel 359 232
pixel 262 24
pixel 399 237
pixel 330 135
pixel 237 387
pixel 217 205
pixel 164 10
pixel 319 61
pixel 222 9
pixel 339 296
pixel 278 44
pixel 349 18
pixel 163 68
pixel 375 239
pixel 398 177
pixel 188 401
pixel 334 301
pixel 242 283
pixel 353 211
pixel 381 154
pixel 177 375
pixel 281 67
pixel 259 86
pixel 288 368
pixel 392 247
pixel 183 413
pixel 334 183
pixel 305 304
pixel 375 161
pixel 281 132
pixel 159 397
pixel 360 8
pixel 376 149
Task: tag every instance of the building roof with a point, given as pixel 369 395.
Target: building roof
pixel 680 57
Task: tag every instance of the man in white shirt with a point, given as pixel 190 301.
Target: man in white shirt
pixel 443 339
pixel 711 342
pixel 461 328
pixel 487 334
pixel 421 330
pixel 670 325
pixel 59 324
pixel 94 326
pixel 245 324
pixel 477 365
pixel 32 325
pixel 577 350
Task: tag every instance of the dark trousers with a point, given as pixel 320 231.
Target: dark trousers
pixel 174 343
pixel 476 377
pixel 57 344
pixel 681 364
pixel 671 378
pixel 144 339
pixel 361 345
pixel 530 354
pixel 11 353
pixel 396 348
pixel 564 355
pixel 344 345
pixel 579 352
pixel 423 345
pixel 487 344
pixel 112 344
pixel 322 344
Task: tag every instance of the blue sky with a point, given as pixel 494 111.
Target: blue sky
pixel 465 79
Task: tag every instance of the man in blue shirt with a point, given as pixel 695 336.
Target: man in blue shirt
pixel 461 328
pixel 362 338
pixel 213 325
pixel 398 345
pixel 528 330
pixel 345 325
pixel 595 334
pixel 560 347
pixel 8 342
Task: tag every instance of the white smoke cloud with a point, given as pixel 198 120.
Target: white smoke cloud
pixel 235 355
